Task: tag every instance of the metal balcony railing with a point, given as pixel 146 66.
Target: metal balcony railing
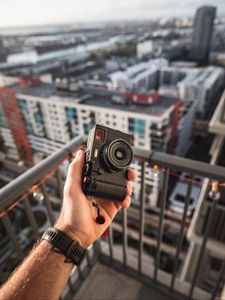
pixel 128 246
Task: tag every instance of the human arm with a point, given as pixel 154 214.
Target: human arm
pixel 44 273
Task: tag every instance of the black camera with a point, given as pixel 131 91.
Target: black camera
pixel 108 156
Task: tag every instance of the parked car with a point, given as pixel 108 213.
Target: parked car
pixel 178 196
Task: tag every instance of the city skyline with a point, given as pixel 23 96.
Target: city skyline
pixel 159 82
pixel 16 14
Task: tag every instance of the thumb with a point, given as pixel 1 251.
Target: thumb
pixel 76 169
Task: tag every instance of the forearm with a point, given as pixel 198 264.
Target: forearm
pixel 42 275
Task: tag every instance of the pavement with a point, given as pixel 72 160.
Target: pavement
pixel 104 283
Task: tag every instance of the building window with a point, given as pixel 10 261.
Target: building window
pixel 29 128
pixel 136 126
pixel 71 113
pixel 87 128
pixel 38 118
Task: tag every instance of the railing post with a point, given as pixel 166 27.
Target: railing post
pixel 181 235
pixel 219 280
pixel 11 232
pixel 142 216
pixel 124 212
pixel 59 183
pixel 205 238
pixel 80 273
pixel 48 205
pixel 111 242
pixel 162 211
pixel 31 217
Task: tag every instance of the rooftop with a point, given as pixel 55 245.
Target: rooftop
pixel 42 89
pixel 46 90
pixel 156 109
pixel 202 75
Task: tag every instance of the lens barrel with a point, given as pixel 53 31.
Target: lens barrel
pixel 117 155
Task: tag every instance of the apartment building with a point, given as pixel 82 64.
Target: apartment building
pixel 214 254
pixel 6 136
pixel 171 76
pixel 51 119
pixel 142 76
pixel 157 120
pixel 201 85
pixel 155 117
pixel 204 85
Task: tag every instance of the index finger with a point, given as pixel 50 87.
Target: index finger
pixel 131 174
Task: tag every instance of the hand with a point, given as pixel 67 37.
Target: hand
pixel 77 218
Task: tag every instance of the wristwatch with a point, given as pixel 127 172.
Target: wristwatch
pixel 68 247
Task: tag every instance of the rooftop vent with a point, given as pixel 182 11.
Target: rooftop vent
pixel 28 81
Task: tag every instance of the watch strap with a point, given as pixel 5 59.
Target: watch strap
pixel 66 245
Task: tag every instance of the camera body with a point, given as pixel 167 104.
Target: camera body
pixel 107 158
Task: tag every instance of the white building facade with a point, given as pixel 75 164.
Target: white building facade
pixel 53 121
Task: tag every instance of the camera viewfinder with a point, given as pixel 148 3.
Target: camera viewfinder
pixel 100 135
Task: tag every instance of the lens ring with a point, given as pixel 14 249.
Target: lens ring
pixel 118 155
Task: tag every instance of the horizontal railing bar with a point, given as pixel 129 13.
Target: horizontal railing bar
pixel 182 164
pixel 21 184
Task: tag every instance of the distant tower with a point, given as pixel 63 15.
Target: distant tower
pixel 2 51
pixel 202 32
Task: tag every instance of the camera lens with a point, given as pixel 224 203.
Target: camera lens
pixel 120 154
pixel 117 155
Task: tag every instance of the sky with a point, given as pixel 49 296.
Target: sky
pixel 44 12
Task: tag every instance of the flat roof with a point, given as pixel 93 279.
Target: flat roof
pixel 41 89
pixel 46 90
pixel 156 109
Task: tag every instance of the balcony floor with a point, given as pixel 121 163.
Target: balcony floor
pixel 106 283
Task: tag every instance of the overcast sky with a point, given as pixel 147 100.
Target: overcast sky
pixel 40 12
